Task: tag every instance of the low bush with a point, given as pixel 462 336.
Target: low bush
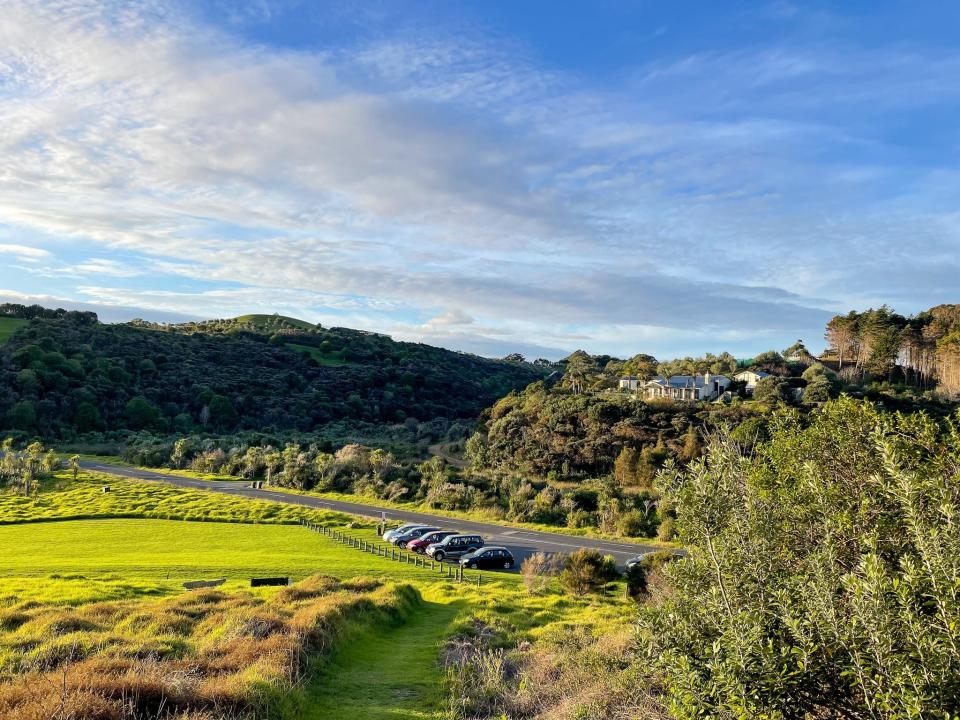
pixel 586 571
pixel 538 571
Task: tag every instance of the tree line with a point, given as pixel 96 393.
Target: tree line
pixel 921 350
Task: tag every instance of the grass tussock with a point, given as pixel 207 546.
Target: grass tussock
pixel 570 674
pixel 197 656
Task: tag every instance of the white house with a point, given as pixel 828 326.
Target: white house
pixel 686 387
pixel 751 378
pixel 630 382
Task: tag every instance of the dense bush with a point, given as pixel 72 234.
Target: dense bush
pixel 65 374
pixel 821 578
pixel 585 571
pixel 551 433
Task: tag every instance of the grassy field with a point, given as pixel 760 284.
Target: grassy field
pixel 330 358
pixel 93 613
pixel 168 550
pixel 8 326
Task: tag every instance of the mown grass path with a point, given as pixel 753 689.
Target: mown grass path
pixel 386 673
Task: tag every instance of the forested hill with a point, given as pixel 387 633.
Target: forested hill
pixel 64 373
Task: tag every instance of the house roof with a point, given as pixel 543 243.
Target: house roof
pixel 759 373
pixel 684 381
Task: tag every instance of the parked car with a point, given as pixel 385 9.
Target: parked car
pixel 421 544
pixel 488 558
pixel 412 534
pixel 454 547
pixel 390 534
pixel 634 561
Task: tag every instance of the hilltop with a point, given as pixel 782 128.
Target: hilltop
pixel 65 373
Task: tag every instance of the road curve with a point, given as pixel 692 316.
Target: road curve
pixel 521 542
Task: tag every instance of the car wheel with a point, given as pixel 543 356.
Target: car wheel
pixel 473 566
pixel 507 565
pixel 439 557
pixel 401 545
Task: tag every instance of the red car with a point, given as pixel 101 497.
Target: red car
pixel 420 544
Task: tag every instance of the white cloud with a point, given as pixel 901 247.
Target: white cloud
pixel 450 317
pixel 106 267
pixel 24 253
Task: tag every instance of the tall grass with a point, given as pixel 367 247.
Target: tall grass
pixel 202 654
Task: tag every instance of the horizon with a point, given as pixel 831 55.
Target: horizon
pixel 481 176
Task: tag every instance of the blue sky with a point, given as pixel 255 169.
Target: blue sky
pixel 670 178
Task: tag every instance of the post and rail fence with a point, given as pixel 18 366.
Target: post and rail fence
pixel 453 572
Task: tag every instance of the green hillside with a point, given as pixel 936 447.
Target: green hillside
pixel 8 326
pixel 264 322
pixel 67 373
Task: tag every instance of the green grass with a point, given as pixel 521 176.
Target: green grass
pixel 330 359
pixel 8 326
pixel 272 321
pixel 377 665
pixel 164 550
pixel 66 499
pixel 386 673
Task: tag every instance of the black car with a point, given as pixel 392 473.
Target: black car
pixel 455 547
pixel 489 558
pixel 402 539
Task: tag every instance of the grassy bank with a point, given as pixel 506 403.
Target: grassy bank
pixel 84 498
pixel 206 653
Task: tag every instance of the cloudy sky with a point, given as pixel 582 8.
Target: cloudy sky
pixel 493 176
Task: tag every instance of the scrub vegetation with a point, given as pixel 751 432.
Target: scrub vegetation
pixel 65 374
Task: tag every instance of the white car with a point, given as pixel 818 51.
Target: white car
pixel 389 535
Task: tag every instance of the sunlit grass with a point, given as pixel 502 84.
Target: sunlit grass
pixel 8 326
pixel 64 498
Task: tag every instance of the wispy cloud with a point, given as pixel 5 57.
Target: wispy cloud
pixel 24 253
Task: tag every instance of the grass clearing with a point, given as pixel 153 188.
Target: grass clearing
pixel 8 326
pixel 168 550
pixel 330 359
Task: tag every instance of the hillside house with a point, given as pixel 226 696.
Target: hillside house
pixel 630 382
pixel 750 378
pixel 690 388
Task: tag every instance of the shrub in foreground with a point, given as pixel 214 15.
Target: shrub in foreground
pixel 821 579
pixel 586 571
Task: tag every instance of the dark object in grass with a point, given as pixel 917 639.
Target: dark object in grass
pixel 264 582
pixel 199 584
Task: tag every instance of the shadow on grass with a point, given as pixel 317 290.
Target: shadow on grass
pixel 390 673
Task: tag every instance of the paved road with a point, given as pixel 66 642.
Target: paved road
pixel 521 542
